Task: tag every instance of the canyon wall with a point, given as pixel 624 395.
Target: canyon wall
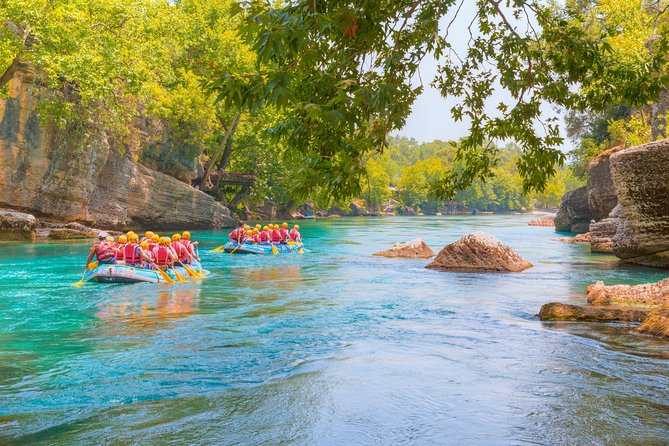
pixel 43 172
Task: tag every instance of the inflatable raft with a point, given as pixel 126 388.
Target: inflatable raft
pixel 128 274
pixel 245 248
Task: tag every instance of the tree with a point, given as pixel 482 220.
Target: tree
pixel 342 73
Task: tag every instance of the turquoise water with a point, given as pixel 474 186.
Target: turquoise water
pixel 332 347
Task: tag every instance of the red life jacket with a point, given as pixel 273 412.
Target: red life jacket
pixel 119 254
pixel 105 252
pixel 284 233
pixel 294 234
pixel 264 236
pixel 236 233
pixel 274 236
pixel 256 238
pixel 162 254
pixel 131 255
pixel 182 252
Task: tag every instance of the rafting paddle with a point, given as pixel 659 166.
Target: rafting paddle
pixel 165 276
pixel 179 277
pixel 81 282
pixel 238 245
pixel 275 250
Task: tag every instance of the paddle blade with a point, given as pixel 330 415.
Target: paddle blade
pixel 165 276
pixel 301 251
pixel 80 283
pixel 275 250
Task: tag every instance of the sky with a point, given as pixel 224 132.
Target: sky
pixel 431 117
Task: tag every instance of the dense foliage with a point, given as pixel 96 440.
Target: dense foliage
pixel 410 169
pixel 342 73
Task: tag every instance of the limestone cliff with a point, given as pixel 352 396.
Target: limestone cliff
pixel 641 179
pixel 42 172
pixel 594 201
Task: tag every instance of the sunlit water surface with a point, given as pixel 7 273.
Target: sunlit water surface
pixel 331 347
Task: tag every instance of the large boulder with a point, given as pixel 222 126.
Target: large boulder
pixel 479 252
pixel 47 170
pixel 414 249
pixel 655 324
pixel 647 294
pixel 574 214
pixel 17 225
pixel 641 181
pixel 601 190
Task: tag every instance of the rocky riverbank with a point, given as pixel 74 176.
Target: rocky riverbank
pixel 92 182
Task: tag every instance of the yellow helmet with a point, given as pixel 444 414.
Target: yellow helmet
pixel 164 240
pixel 296 227
pixel 109 238
pixel 133 237
pixel 129 233
pixel 255 230
pixel 122 239
pixel 148 234
pixel 276 227
pixel 258 227
pixel 284 224
pixel 144 244
pixel 265 228
pixel 185 235
pixel 249 232
pixel 155 238
pixel 176 237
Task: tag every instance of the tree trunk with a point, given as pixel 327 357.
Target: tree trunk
pixel 9 72
pixel 218 154
pixel 240 196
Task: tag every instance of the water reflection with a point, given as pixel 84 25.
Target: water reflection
pixel 153 308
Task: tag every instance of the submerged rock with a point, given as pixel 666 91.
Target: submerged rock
pixel 648 294
pixel 655 324
pixel 17 225
pixel 546 220
pixel 479 252
pixel 414 249
pixel 556 311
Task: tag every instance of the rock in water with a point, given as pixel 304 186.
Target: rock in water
pixel 647 294
pixel 17 225
pixel 479 252
pixel 656 324
pixel 640 177
pixel 546 220
pixel 556 311
pixel 415 249
pixel 574 214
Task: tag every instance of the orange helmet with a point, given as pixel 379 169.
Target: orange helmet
pixel 265 228
pixel 276 227
pixel 144 244
pixel 122 239
pixel 296 227
pixel 284 225
pixel 185 235
pixel 155 238
pixel 176 237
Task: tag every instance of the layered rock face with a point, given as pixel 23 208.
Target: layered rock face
pixel 479 252
pixel 414 249
pixel 17 225
pixel 41 171
pixel 642 183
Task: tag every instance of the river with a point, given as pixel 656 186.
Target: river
pixel 333 347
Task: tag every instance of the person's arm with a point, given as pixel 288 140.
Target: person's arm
pixel 91 254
